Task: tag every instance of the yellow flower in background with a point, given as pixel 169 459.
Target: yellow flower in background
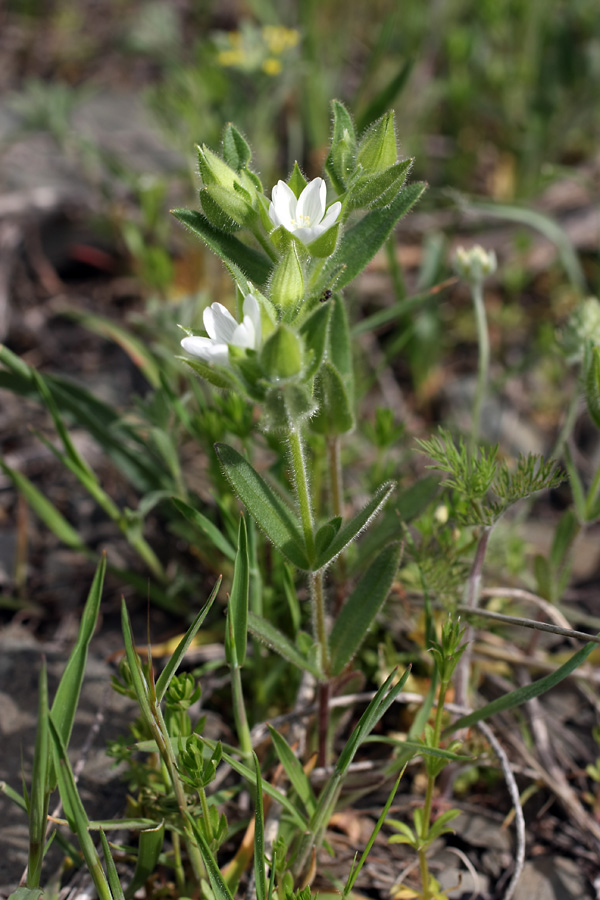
pixel 278 39
pixel 253 49
pixel 272 66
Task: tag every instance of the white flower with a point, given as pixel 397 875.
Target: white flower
pixel 305 217
pixel 223 331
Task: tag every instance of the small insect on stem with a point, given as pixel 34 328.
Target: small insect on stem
pixel 325 296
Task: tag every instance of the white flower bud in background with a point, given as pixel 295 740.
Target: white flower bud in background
pixel 474 264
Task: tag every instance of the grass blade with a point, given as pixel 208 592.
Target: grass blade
pixel 67 695
pixel 260 885
pixel 522 695
pixel 149 848
pixel 40 794
pixel 293 770
pixel 205 526
pixel 171 667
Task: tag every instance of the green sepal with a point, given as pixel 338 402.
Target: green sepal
pixel 239 259
pixel 378 190
pixel 334 415
pixel 377 150
pixel 215 213
pixel 213 169
pixel 361 608
pixel 340 345
pixel 341 160
pixel 270 512
pixel 297 182
pixel 236 204
pixel 314 331
pixel 290 402
pixel 282 354
pixel 287 283
pixel 325 244
pixel 236 150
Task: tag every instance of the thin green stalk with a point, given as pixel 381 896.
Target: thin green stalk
pixel 177 862
pixel 593 492
pixel 239 711
pixel 320 624
pixel 336 501
pixel 426 821
pixel 302 490
pixel 484 359
pixel 265 244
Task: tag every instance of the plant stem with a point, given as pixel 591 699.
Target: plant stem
pixel 239 711
pixel 426 821
pixel 302 490
pixel 472 592
pixel 336 501
pixel 484 359
pixel 265 244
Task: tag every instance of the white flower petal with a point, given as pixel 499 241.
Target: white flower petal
pixel 307 235
pixel 243 335
pixel 206 349
pixel 219 323
pixel 252 310
pixel 331 215
pixel 282 210
pixel 311 202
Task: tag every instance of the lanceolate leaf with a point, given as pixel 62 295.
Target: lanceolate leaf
pixel 238 601
pixel 269 511
pixel 68 691
pixel 199 521
pixel 273 638
pixel 360 243
pixel 150 844
pixel 522 695
pixel 334 415
pixel 352 529
pixel 236 256
pixel 293 770
pixel 358 614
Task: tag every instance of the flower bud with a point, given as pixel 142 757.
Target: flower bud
pixel 474 264
pixel 281 356
pixel 377 150
pixel 287 284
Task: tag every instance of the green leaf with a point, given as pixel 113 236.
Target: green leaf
pixel 260 886
pixel 341 162
pixel 350 531
pixel 164 679
pixel 293 770
pixel 25 893
pixel 522 695
pixel 359 244
pixel 221 378
pixel 358 614
pixel 236 149
pixel 238 601
pixel 75 813
pixel 219 888
pixel 378 190
pixel 68 692
pixel 39 794
pixel 205 526
pixel 111 870
pixel 237 257
pixel 150 843
pixel 273 638
pixel 269 511
pixel 334 414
